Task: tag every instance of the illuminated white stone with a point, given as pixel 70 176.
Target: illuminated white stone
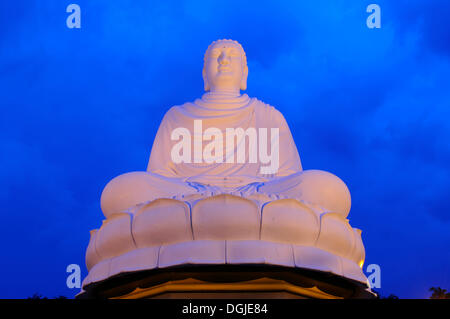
pixel 336 235
pixel 163 221
pixel 225 217
pixel 259 252
pixel 92 257
pixel 206 212
pixel 135 260
pixel 192 252
pixel 289 221
pixel 114 237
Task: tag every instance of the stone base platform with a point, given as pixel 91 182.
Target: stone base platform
pixel 227 282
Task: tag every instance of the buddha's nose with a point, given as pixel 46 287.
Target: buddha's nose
pixel 223 58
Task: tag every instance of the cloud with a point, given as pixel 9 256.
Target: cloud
pixel 82 106
pixel 428 19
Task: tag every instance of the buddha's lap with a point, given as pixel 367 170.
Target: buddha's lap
pixel 312 186
pixel 129 189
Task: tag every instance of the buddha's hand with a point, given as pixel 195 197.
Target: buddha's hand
pixel 205 188
pixel 250 189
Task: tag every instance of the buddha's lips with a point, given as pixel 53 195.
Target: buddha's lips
pixel 224 68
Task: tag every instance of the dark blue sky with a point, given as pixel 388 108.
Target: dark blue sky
pixel 79 107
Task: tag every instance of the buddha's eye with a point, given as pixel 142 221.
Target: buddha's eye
pixel 215 53
pixel 234 53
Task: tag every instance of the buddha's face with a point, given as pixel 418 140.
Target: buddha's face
pixel 225 69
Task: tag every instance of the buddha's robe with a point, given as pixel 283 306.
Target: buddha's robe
pixel 166 179
pixel 216 111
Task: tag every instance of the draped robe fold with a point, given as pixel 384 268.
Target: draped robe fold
pixel 222 113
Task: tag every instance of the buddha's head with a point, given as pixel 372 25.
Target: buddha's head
pixel 225 67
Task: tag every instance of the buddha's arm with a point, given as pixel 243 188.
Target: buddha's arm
pixel 160 161
pixel 289 158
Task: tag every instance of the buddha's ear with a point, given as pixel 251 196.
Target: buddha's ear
pixel 205 80
pixel 244 79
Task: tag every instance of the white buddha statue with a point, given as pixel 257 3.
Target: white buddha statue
pixel 224 185
pixel 198 171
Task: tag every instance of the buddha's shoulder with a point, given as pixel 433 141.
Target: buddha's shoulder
pixel 267 109
pixel 176 109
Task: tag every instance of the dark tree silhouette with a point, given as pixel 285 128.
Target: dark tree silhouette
pixel 379 296
pixel 37 296
pixel 439 293
pixel 391 296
